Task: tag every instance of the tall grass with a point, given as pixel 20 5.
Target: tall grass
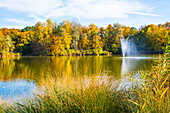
pixel 150 90
pixel 84 95
pixel 75 95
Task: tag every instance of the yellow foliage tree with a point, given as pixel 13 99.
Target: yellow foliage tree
pixel 57 46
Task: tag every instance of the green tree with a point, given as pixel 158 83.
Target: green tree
pixel 75 34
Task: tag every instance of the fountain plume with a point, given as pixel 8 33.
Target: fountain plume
pixel 128 47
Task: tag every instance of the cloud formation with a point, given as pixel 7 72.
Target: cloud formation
pixel 89 9
pixel 18 21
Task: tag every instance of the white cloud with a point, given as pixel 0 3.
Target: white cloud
pixel 18 21
pixel 147 14
pixel 38 7
pixel 36 18
pixel 88 9
pixel 14 26
pixel 99 9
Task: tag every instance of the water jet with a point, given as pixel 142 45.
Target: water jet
pixel 128 48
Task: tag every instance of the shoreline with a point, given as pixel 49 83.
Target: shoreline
pixel 18 56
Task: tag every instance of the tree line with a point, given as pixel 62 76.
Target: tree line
pixel 71 38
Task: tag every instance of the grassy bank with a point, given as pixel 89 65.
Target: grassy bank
pixel 74 95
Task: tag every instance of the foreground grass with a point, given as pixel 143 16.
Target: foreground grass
pixel 149 93
pixel 75 95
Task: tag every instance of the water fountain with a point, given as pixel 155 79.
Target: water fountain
pixel 130 55
pixel 128 48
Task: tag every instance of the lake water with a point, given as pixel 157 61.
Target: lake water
pixel 19 77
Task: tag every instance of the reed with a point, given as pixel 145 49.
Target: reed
pixel 150 91
pixel 75 95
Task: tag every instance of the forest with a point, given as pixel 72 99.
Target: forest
pixel 70 38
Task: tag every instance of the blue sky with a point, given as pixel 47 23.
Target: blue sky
pixel 22 13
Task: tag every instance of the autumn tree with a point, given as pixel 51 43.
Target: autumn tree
pixel 57 46
pixel 97 43
pixel 6 44
pixel 1 42
pixel 83 43
pixel 28 28
pixel 156 37
pixel 75 34
pixel 47 36
pixel 38 35
pixel 65 32
pixel 102 35
pixel 108 37
pixel 126 31
pixel 117 35
pixel 93 30
pixel 24 41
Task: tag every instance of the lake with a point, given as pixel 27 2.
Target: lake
pixel 19 77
